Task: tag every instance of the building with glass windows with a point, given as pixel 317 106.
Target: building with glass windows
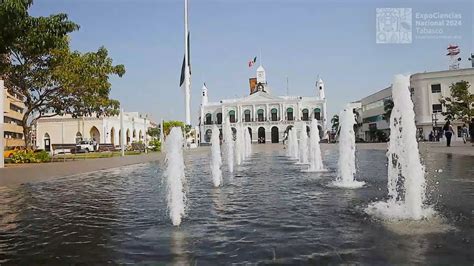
pixel 266 116
pixel 372 116
pixel 427 89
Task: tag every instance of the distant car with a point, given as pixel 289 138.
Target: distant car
pixel 85 146
pixel 10 151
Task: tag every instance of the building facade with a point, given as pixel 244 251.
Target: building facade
pixel 104 130
pixel 372 115
pixel 267 117
pixel 12 117
pixel 427 89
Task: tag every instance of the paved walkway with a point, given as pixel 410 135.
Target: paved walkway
pixel 457 147
pixel 18 174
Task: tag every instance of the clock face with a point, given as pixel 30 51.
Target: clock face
pixel 260 74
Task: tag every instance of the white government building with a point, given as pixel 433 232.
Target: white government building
pixel 104 130
pixel 267 117
pixel 427 89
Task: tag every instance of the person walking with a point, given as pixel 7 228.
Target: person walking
pixel 448 132
pixel 464 132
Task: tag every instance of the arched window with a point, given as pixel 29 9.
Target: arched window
pixel 219 118
pixel 305 115
pixel 274 112
pixel 289 114
pixel 78 137
pixel 232 116
pixel 208 119
pixel 260 115
pixel 247 115
pixel 207 136
pixel 317 113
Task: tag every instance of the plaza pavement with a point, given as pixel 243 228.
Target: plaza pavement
pixel 457 147
pixel 18 174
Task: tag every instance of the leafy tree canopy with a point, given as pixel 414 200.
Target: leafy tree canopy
pixel 38 64
pixel 460 106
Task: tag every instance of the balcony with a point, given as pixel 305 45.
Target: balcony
pixel 9 127
pixel 14 115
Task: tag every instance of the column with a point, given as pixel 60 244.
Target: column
pixel 253 113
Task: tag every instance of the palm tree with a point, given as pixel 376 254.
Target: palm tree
pixel 387 107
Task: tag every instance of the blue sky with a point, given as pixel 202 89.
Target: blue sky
pixel 299 39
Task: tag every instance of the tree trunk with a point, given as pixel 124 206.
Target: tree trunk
pixel 26 135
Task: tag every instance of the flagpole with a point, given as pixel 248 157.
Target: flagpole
pixel 187 94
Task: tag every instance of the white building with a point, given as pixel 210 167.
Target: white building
pixel 267 116
pixel 104 130
pixel 427 89
pixel 372 115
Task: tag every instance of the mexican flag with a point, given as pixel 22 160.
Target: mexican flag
pixel 252 62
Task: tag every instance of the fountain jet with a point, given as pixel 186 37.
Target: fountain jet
pixel 303 145
pixel 229 146
pixel 216 160
pixel 238 145
pixel 175 177
pixel 315 158
pixel 346 163
pixel 406 180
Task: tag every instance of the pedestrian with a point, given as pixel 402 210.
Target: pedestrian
pixel 471 130
pixel 464 132
pixel 448 132
pixel 431 136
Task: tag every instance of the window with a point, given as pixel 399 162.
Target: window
pixel 208 119
pixel 274 114
pixel 437 108
pixel 373 126
pixel 305 115
pixel 435 88
pixel 219 118
pixel 247 115
pixel 289 114
pixel 260 115
pixel 232 116
pixel 372 119
pixel 317 113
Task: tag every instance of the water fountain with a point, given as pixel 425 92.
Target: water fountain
pixel 346 163
pixel 406 180
pixel 248 143
pixel 303 145
pixel 175 177
pixel 289 144
pixel 315 158
pixel 216 160
pixel 238 145
pixel 229 145
pixel 292 151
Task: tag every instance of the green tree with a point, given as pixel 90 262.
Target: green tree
pixel 387 107
pixel 335 123
pixel 12 16
pixel 460 106
pixel 53 79
pixel 154 132
pixel 168 125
